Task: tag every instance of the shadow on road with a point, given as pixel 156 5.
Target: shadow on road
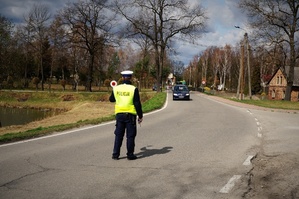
pixel 145 152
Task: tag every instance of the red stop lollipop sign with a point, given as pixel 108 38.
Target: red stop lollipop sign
pixel 113 83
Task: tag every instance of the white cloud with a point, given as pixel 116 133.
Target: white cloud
pixel 223 16
pixel 15 10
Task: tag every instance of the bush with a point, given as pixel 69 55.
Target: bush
pixel 63 83
pixel 263 95
pixel 144 97
pixel 35 81
pixel 207 89
pixel 68 98
pixel 10 81
pixel 103 98
pixel 107 82
pixel 4 84
pixel 23 97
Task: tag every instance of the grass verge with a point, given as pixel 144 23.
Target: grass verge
pixel 257 100
pixel 279 104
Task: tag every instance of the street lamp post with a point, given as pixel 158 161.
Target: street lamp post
pixel 248 65
pixel 246 43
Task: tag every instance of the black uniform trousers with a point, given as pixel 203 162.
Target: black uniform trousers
pixel 125 122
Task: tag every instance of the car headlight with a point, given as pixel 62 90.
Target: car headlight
pixel 187 94
pixel 175 94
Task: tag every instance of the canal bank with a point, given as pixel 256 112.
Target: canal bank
pixel 73 107
pixel 81 109
pixel 19 116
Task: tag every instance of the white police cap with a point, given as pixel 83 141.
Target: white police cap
pixel 127 73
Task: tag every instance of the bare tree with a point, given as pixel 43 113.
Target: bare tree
pixel 143 65
pixel 160 21
pixel 23 35
pixel 128 57
pixel 276 21
pixel 36 20
pixel 226 65
pixel 57 37
pixel 5 37
pixel 204 59
pixel 234 69
pixel 216 65
pixel 89 24
pixel 178 70
pixel 193 72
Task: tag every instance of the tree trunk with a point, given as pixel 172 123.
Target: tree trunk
pixel 291 70
pixel 90 73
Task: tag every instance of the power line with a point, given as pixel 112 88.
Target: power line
pixel 195 43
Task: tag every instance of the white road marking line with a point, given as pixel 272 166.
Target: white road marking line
pixel 247 162
pixel 230 184
pixel 249 112
pixel 58 134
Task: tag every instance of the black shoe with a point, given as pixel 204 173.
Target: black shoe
pixel 115 158
pixel 132 157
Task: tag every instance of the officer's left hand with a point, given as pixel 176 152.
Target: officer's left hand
pixel 140 120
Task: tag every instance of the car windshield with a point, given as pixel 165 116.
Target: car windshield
pixel 180 88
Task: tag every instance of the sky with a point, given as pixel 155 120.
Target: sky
pixel 223 16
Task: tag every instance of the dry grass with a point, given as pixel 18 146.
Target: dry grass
pixel 79 112
pixel 77 107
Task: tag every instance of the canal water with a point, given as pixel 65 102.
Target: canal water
pixel 19 116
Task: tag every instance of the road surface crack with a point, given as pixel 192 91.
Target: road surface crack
pixel 40 168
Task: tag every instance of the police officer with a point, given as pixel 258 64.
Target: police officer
pixel 127 108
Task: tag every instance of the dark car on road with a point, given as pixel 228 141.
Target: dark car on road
pixel 181 92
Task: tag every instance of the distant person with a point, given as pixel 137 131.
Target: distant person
pixel 127 108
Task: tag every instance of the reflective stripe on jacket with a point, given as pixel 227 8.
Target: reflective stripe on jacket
pixel 124 95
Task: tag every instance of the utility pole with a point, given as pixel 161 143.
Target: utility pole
pixel 240 90
pixel 242 71
pixel 242 75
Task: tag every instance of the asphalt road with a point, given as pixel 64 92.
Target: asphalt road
pixel 190 149
pixel 275 170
